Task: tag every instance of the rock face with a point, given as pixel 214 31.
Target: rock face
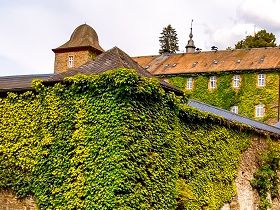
pixel 8 201
pixel 247 198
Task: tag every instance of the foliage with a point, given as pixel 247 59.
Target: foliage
pixel 178 81
pixel 260 39
pixel 209 157
pixel 225 96
pixel 116 141
pixel 265 178
pixel 168 40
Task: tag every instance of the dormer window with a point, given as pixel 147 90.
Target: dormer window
pixel 70 61
pixel 261 80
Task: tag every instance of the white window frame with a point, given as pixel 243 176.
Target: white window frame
pixel 261 80
pixel 236 81
pixel 213 82
pixel 189 85
pixel 234 109
pixel 259 110
pixel 70 61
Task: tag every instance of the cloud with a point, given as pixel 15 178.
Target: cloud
pixel 31 28
pixel 264 14
pixel 9 66
pixel 230 35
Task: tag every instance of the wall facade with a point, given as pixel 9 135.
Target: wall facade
pixel 61 63
pixel 8 201
pixel 246 97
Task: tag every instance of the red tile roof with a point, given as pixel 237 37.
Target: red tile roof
pixel 212 61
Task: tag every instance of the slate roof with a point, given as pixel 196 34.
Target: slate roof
pixel 19 82
pixel 111 59
pixel 277 125
pixel 235 117
pixel 212 61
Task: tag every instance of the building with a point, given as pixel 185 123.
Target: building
pixel 244 81
pixel 83 46
pixel 118 146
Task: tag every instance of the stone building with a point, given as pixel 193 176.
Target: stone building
pixel 244 81
pixel 83 46
pixel 256 69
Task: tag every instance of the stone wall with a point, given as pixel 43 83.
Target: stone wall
pixel 8 201
pixel 80 58
pixel 247 198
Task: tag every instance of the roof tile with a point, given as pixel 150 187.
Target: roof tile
pixel 212 61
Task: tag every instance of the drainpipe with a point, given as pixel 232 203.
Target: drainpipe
pixel 278 96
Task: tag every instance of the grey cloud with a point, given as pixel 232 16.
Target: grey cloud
pixel 262 14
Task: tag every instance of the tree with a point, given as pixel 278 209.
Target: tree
pixel 168 40
pixel 260 39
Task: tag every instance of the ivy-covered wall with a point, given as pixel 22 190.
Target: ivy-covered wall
pixel 225 96
pixel 116 141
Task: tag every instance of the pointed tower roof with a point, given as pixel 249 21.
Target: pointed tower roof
pixel 190 48
pixel 84 36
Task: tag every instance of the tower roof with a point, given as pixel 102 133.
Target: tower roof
pixel 190 48
pixel 84 36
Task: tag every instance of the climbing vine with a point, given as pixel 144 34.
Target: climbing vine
pixel 225 96
pixel 116 141
pixel 266 179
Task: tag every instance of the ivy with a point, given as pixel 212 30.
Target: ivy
pixel 225 96
pixel 266 180
pixel 116 141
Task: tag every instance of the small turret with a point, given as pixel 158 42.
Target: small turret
pixel 82 47
pixel 190 48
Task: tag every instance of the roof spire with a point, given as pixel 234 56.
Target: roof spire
pixel 191 35
pixel 190 48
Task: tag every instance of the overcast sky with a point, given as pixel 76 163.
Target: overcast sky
pixel 31 28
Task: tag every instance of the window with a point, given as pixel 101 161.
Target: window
pixel 259 110
pixel 70 61
pixel 189 85
pixel 213 82
pixel 236 81
pixel 261 80
pixel 234 109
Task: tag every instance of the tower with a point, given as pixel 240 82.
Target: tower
pixel 190 48
pixel 82 47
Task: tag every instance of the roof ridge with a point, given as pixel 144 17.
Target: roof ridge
pixel 118 55
pixel 209 51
